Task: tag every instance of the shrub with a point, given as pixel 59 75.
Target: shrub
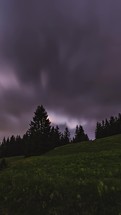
pixel 3 164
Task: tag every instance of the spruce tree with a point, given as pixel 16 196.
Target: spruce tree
pixel 39 131
pixel 40 123
pixel 66 136
pixel 55 136
pixel 80 135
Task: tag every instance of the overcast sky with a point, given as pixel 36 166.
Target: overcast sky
pixel 64 54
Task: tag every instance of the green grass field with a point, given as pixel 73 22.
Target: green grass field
pixel 76 179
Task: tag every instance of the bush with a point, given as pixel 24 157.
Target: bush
pixel 3 164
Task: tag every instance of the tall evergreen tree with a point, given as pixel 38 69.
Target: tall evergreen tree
pixel 108 127
pixel 98 131
pixel 66 136
pixel 55 136
pixel 112 125
pixel 39 131
pixel 80 135
pixel 119 123
pixel 40 123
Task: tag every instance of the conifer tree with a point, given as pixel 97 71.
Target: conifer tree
pixel 98 131
pixel 39 132
pixel 40 123
pixel 80 135
pixel 66 136
pixel 55 136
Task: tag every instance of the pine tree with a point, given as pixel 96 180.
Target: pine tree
pixel 119 123
pixel 39 131
pixel 108 127
pixel 80 135
pixel 66 136
pixel 55 136
pixel 40 123
pixel 97 130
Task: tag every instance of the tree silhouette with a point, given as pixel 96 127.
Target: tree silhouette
pixel 40 123
pixel 66 136
pixel 80 135
pixel 108 127
pixel 39 131
pixel 55 136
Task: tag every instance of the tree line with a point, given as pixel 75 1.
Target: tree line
pixel 108 127
pixel 40 137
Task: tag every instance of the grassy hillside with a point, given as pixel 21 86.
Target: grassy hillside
pixel 99 145
pixel 76 179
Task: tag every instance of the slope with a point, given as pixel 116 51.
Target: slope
pixel 76 179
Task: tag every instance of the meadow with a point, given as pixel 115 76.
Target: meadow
pixel 75 179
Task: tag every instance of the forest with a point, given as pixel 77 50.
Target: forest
pixel 42 136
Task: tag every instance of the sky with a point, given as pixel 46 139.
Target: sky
pixel 64 54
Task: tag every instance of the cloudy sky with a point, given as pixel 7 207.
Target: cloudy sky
pixel 64 54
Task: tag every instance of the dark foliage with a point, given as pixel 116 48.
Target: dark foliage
pixel 40 137
pixel 13 146
pixel 80 135
pixel 66 136
pixel 55 137
pixel 3 164
pixel 108 127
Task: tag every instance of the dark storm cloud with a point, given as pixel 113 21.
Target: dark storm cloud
pixel 64 54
